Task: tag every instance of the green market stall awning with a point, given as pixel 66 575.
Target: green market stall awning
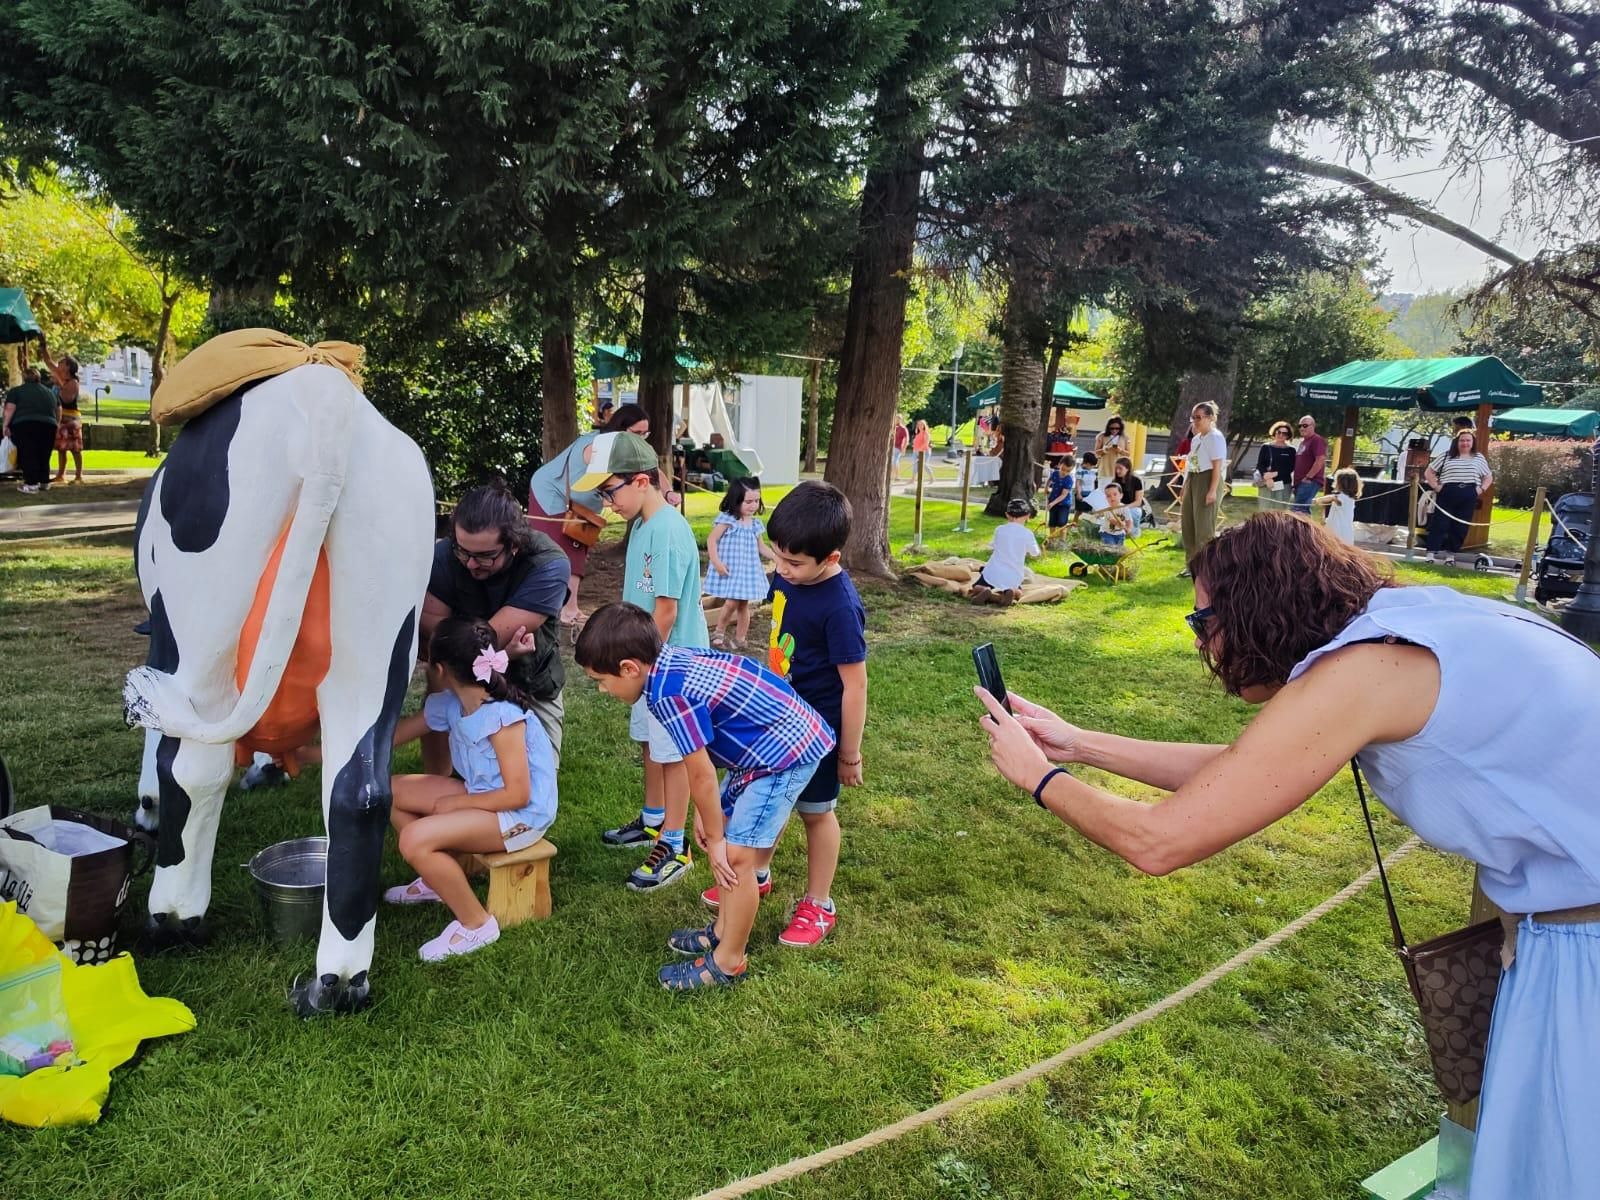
pixel 1067 395
pixel 16 318
pixel 1435 384
pixel 1552 422
pixel 619 362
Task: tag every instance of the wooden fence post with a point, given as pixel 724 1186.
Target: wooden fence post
pixel 1411 516
pixel 1521 592
pixel 966 487
pixel 916 532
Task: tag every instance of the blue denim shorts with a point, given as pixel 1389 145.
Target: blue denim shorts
pixel 758 812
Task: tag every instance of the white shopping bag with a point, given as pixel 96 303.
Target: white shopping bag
pixel 8 456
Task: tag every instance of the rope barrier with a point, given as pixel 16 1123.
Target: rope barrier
pixel 929 1116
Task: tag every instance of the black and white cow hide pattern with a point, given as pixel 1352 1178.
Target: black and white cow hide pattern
pixel 304 452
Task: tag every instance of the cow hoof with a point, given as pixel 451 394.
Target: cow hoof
pixel 164 932
pixel 147 816
pixel 321 994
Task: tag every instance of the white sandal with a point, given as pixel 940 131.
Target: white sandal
pixel 457 939
pixel 415 892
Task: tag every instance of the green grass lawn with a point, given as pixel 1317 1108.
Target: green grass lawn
pixel 976 937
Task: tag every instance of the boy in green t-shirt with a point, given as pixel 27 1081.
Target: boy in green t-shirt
pixel 662 577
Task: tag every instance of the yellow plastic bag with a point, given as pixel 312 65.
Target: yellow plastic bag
pixel 110 1016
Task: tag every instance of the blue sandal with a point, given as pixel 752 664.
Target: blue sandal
pixel 694 942
pixel 698 975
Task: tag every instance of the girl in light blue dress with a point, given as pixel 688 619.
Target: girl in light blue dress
pixel 1473 721
pixel 505 798
pixel 736 548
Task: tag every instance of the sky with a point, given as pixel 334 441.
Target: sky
pixel 1421 259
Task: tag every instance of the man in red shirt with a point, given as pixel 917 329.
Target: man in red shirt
pixel 1310 465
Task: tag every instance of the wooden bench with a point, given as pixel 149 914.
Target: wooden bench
pixel 519 882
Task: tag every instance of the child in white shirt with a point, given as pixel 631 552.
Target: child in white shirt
pixel 1000 581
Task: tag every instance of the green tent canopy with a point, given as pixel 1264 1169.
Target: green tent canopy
pixel 1553 422
pixel 618 362
pixel 16 318
pixel 1435 384
pixel 1067 395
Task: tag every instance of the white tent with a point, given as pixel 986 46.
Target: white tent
pixel 758 417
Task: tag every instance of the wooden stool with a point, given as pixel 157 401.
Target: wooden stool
pixel 519 883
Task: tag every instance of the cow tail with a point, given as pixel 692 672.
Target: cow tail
pixel 154 699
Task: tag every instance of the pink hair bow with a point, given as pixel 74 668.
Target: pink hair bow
pixel 487 663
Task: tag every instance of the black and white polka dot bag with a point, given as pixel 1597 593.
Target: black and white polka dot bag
pixel 70 872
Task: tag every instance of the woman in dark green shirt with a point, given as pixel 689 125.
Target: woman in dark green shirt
pixel 30 422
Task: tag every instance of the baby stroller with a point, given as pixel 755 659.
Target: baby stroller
pixel 1559 566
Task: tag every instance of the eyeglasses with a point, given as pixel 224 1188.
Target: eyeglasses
pixel 1305 424
pixel 476 558
pixel 1198 618
pixel 606 493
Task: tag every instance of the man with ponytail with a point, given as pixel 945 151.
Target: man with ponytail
pixel 494 568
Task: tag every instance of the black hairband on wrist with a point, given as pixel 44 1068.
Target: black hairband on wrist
pixel 1038 792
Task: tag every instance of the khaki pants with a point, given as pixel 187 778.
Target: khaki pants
pixel 550 713
pixel 1199 518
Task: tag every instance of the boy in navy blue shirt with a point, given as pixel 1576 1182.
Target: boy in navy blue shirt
pixel 819 643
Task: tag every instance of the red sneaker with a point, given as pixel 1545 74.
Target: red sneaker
pixel 809 925
pixel 710 897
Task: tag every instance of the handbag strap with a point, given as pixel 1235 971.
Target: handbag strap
pixel 1388 896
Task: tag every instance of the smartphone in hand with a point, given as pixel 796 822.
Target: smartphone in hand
pixel 984 658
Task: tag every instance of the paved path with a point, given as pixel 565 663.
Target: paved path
pixel 68 518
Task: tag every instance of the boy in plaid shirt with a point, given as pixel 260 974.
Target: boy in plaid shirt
pixel 720 710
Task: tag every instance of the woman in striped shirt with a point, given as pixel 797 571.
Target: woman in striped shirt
pixel 1459 477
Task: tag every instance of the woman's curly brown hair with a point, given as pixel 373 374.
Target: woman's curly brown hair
pixel 1280 586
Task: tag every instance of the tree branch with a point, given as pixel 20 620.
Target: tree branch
pixel 1394 202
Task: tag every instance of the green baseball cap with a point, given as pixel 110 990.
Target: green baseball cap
pixel 616 454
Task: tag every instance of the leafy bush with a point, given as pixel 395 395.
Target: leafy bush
pixel 1520 467
pixel 469 398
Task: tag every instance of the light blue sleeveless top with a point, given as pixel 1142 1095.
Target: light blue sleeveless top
pixel 1506 771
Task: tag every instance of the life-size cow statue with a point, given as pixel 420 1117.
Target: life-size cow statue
pixel 283 551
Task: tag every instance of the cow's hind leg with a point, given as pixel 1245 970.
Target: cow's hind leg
pixel 191 780
pixel 360 704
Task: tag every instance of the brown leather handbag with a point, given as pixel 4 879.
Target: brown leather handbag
pixel 582 525
pixel 1454 978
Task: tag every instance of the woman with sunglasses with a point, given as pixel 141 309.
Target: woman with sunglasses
pixel 1275 468
pixel 1346 663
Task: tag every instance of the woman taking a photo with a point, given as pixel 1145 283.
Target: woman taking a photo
pixel 1109 444
pixel 1460 478
pixel 69 431
pixel 1345 663
pixel 550 495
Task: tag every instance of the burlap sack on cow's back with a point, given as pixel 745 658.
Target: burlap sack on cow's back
pixel 227 362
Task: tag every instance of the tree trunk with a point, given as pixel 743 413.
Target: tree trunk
pixel 812 406
pixel 869 364
pixel 158 365
pixel 13 364
pixel 241 305
pixel 658 354
pixel 1047 396
pixel 1021 389
pixel 558 376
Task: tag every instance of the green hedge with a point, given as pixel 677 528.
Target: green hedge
pixel 1520 467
